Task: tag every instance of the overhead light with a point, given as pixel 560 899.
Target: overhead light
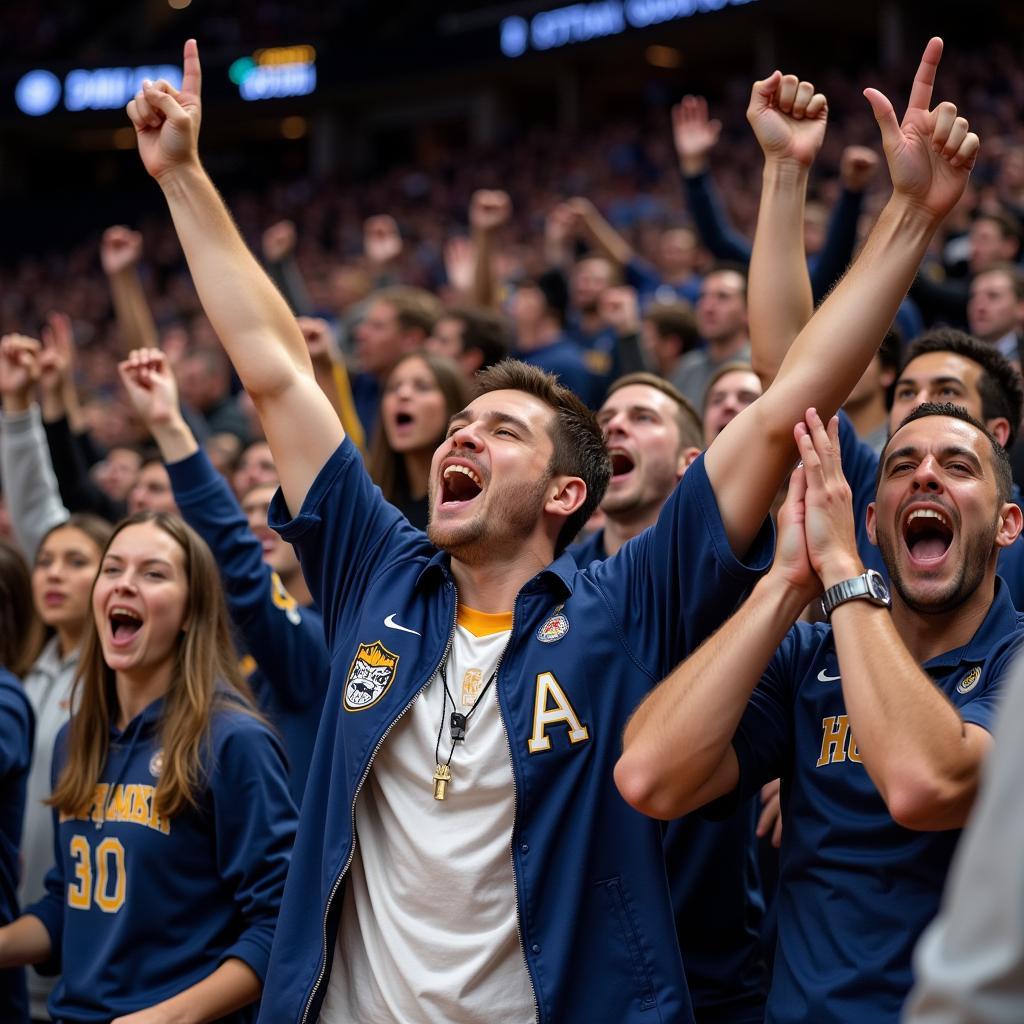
pixel 294 127
pixel 663 56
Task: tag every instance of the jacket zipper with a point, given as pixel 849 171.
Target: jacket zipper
pixel 355 797
pixel 515 816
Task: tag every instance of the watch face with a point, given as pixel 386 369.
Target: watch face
pixel 878 587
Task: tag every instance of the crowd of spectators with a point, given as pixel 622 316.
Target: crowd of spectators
pixel 345 245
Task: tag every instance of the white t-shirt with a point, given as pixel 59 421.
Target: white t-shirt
pixel 429 931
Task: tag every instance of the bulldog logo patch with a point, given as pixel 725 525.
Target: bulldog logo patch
pixel 373 671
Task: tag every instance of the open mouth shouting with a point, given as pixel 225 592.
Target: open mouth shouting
pixel 460 484
pixel 622 464
pixel 124 624
pixel 927 535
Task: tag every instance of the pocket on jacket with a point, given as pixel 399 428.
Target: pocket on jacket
pixel 627 931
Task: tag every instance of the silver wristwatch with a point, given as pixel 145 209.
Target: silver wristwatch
pixel 869 586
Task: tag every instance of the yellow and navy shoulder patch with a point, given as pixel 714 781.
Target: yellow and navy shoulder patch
pixel 373 670
pixel 969 681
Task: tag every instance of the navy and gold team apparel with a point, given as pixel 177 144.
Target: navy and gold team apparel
pixel 855 888
pixel 140 907
pixel 17 726
pixel 286 656
pixel 717 896
pixel 594 910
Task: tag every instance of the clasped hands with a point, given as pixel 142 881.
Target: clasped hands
pixel 817 542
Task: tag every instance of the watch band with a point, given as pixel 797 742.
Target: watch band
pixel 869 586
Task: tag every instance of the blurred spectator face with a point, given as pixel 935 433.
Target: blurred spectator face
pixel 277 553
pixel 722 306
pixel 528 307
pixel 381 340
pixel 815 227
pixel 993 309
pixel 62 577
pixel 727 398
pixel 677 252
pixel 447 339
pixel 662 351
pixel 202 381
pixel 641 429
pixel 989 245
pixel 875 378
pixel 152 491
pixel 223 451
pixel 347 286
pixel 111 423
pixel 256 466
pixel 1011 170
pixel 936 377
pixel 117 473
pixel 590 279
pixel 413 407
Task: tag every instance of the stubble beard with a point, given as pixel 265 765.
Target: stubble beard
pixel 977 551
pixel 483 538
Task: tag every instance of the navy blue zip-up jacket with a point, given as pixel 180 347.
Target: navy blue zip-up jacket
pixel 286 641
pixel 140 907
pixel 595 918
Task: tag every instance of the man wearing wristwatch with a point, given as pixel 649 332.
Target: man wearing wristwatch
pixel 877 722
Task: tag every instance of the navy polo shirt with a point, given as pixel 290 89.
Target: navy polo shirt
pixel 855 888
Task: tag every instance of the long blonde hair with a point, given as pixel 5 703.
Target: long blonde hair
pixel 205 677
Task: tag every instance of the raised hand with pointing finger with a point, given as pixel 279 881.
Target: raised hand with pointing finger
pixel 166 120
pixel 931 151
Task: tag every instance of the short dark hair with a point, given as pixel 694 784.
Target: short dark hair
pixel 728 267
pixel 674 320
pixel 579 448
pixel 415 308
pixel 483 331
pixel 999 386
pixel 691 430
pixel 1008 223
pixel 1000 459
pixel 1012 271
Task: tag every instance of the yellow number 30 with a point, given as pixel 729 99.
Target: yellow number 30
pixel 80 890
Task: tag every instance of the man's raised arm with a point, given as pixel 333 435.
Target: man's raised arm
pixel 788 118
pixel 930 156
pixel 253 321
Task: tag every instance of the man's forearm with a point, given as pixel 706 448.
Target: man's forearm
pixel 248 313
pixel 675 743
pixel 131 310
pixel 834 349
pixel 484 290
pixel 779 289
pixel 911 739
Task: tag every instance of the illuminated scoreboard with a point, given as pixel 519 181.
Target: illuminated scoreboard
pixel 580 23
pixel 40 91
pixel 275 73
